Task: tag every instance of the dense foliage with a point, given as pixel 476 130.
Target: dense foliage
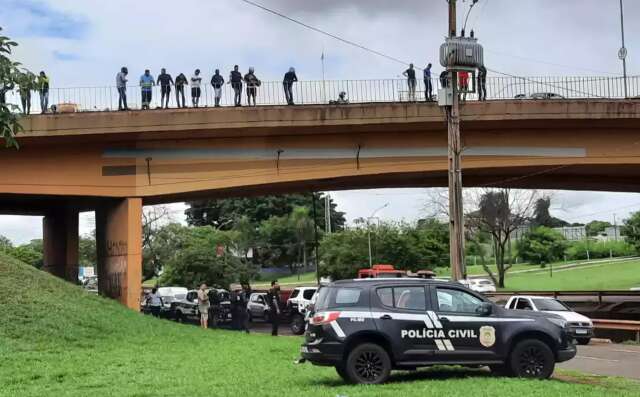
pixel 10 77
pixel 542 245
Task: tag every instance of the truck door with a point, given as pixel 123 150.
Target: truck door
pixel 467 334
pixel 400 313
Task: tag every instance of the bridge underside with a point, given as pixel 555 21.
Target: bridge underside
pixel 113 163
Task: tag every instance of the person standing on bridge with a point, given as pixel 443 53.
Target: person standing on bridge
pixel 463 83
pixel 289 78
pixel 146 85
pixel 203 306
pixel 43 90
pixel 410 74
pixel 482 83
pixel 235 79
pixel 216 82
pixel 181 81
pixel 252 86
pixel 121 84
pixel 196 81
pixel 428 87
pixel 164 81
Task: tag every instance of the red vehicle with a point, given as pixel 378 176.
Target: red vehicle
pixel 386 270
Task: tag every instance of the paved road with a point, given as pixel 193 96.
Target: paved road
pixel 607 359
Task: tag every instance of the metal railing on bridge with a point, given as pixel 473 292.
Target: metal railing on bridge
pixel 105 98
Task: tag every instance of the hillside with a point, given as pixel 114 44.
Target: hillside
pixel 57 340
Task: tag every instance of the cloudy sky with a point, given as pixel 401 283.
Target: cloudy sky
pixel 84 43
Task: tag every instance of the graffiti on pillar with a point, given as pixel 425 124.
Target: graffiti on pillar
pixel 112 280
pixel 116 248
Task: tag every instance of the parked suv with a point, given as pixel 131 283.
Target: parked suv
pixel 367 327
pixel 297 305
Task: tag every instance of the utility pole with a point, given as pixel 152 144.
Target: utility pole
pixel 327 214
pixel 456 221
pixel 622 53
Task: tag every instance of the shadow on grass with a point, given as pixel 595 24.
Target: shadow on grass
pixel 433 373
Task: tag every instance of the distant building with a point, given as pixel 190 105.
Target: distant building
pixel 572 233
pixel 611 233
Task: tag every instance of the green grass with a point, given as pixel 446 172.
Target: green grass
pixel 600 276
pixel 57 340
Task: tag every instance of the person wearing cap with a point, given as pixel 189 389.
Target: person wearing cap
pixel 203 305
pixel 289 78
pixel 216 82
pixel 121 84
pixel 146 85
pixel 196 81
pixel 252 86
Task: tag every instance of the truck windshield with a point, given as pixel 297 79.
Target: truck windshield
pixel 550 305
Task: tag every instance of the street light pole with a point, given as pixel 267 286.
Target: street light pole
pixel 456 227
pixel 622 53
pixel 369 232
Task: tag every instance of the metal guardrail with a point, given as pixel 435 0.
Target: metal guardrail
pixel 556 294
pixel 105 98
pixel 618 325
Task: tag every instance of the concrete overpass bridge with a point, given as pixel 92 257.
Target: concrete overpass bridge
pixel 114 163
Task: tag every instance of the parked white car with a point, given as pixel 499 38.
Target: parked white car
pixel 580 327
pixel 481 285
pixel 297 304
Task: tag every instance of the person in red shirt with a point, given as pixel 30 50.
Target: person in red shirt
pixel 463 83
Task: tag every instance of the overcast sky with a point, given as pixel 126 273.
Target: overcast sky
pixel 84 43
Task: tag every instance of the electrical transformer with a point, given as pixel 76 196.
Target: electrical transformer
pixel 461 53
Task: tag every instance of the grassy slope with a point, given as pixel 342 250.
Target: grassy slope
pixel 57 340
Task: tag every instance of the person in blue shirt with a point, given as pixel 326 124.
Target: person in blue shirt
pixel 146 85
pixel 428 87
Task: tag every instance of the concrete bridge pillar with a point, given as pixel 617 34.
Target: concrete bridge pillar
pixel 60 243
pixel 119 245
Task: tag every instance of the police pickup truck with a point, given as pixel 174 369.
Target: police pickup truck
pixel 367 327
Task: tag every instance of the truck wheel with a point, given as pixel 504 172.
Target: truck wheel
pixel 368 363
pixel 297 324
pixel 532 358
pixel 583 341
pixel 342 372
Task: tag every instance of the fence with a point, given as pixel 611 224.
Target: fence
pixel 358 91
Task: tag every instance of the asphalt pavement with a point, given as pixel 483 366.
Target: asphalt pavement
pixel 608 359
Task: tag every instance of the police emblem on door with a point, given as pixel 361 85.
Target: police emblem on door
pixel 487 336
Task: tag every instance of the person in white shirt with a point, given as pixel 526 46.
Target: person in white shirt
pixel 196 81
pixel 154 301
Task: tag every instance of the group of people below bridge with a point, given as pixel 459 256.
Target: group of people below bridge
pixel 165 81
pixel 463 82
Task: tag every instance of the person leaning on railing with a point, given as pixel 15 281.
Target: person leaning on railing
pixel 410 74
pixel 121 84
pixel 289 78
pixel 216 82
pixel 43 90
pixel 235 79
pixel 165 81
pixel 181 81
pixel 146 84
pixel 196 81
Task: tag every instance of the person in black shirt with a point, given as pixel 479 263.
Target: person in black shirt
pixel 181 81
pixel 428 87
pixel 164 81
pixel 410 74
pixel 289 78
pixel 273 300
pixel 235 79
pixel 252 86
pixel 482 83
pixel 217 81
pixel 444 79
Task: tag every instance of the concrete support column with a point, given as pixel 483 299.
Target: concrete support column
pixel 60 243
pixel 119 244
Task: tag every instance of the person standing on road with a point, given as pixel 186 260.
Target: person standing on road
pixel 273 298
pixel 410 74
pixel 252 86
pixel 216 82
pixel 164 81
pixel 428 87
pixel 154 301
pixel 203 305
pixel 196 81
pixel 289 78
pixel 235 79
pixel 482 83
pixel 121 84
pixel 43 90
pixel 146 85
pixel 181 81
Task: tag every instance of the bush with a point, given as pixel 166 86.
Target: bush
pixel 541 245
pixel 577 250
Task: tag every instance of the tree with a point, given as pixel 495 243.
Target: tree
pixel 223 213
pixel 542 245
pixel 5 244
pixel 500 212
pixel 87 251
pixel 9 78
pixel 153 218
pixel 596 227
pixel 542 217
pixel 631 229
